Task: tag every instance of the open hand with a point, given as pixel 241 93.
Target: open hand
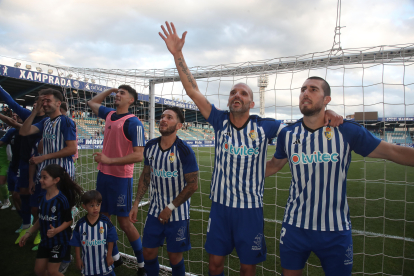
pixel 171 39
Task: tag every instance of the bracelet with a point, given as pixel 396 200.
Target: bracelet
pixel 171 206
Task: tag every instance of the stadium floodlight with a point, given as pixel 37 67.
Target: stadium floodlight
pixel 39 69
pixel 31 96
pixel 17 64
pixel 28 66
pixel 75 91
pixel 141 103
pixel 50 71
pixel 19 99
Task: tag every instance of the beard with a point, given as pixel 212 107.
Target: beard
pixel 240 110
pixel 308 112
pixel 168 131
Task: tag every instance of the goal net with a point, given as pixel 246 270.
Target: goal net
pixel 374 86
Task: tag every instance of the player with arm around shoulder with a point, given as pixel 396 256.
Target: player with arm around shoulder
pixel 171 169
pixel 317 214
pixel 237 185
pixel 94 235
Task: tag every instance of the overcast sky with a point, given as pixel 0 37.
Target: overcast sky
pixel 124 34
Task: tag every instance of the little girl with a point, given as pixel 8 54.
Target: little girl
pixel 55 219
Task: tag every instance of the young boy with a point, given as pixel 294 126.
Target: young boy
pixel 96 235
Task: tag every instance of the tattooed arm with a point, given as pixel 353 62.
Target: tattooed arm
pixel 183 196
pixel 175 46
pixel 143 184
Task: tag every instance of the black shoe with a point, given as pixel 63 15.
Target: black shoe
pixel 118 263
pixel 141 271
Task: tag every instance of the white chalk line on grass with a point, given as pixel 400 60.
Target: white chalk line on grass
pixel 354 231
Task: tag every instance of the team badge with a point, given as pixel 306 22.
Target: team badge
pixel 101 230
pixel 328 133
pixel 53 209
pixel 172 157
pixel 253 134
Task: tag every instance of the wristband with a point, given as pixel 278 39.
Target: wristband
pixel 171 207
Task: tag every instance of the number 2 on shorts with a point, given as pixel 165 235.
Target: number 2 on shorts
pixel 282 234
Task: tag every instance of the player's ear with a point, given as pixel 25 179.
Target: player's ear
pixel 251 104
pixel 326 100
pixel 56 180
pixel 179 125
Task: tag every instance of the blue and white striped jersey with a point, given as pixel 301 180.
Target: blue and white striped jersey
pixel 55 134
pixel 93 240
pixel 319 161
pixel 168 168
pixel 240 162
pixel 54 211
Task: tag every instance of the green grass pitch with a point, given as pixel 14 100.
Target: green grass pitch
pixel 380 196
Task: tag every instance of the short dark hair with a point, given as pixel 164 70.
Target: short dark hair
pixel 325 85
pixel 49 91
pixel 130 90
pixel 90 196
pixel 64 106
pixel 177 111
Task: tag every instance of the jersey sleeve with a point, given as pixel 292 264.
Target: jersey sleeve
pixel 272 127
pixel 146 162
pixel 216 117
pixel 103 111
pixel 8 136
pixel 360 139
pixel 136 132
pixel 75 240
pixel 67 215
pixel 112 235
pixel 68 129
pixel 189 162
pixel 280 146
pixel 21 111
pixel 40 125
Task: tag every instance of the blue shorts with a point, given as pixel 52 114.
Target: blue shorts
pixel 23 175
pixel 333 248
pixel 11 180
pixel 230 228
pixel 55 255
pixel 34 198
pixel 177 234
pixel 116 194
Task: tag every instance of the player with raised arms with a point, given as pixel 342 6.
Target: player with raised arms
pixel 171 169
pixel 317 214
pixel 123 146
pixel 241 142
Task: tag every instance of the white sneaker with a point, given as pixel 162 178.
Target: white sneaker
pixel 6 204
pixel 64 266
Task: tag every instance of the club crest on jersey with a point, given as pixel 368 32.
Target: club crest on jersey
pixel 53 209
pixel 328 133
pixel 349 255
pixel 101 230
pixel 172 157
pixel 253 134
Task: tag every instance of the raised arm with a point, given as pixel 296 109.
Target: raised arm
pixel 175 46
pixel 9 121
pixel 96 101
pixel 22 112
pixel 398 154
pixel 143 184
pixel 27 128
pixel 274 165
